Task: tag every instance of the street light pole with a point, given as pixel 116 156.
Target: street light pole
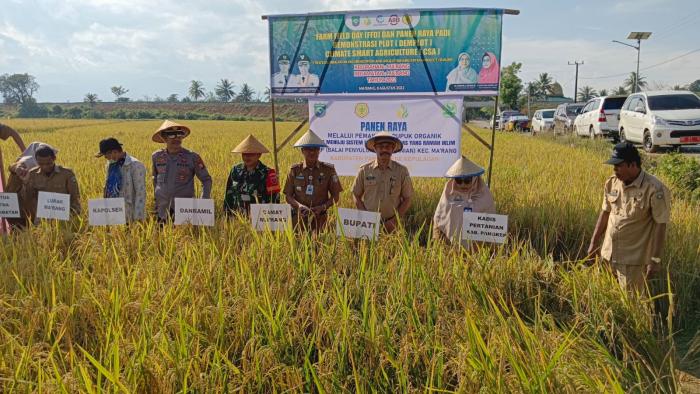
pixel 639 36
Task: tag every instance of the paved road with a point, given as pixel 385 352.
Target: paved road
pixel 692 151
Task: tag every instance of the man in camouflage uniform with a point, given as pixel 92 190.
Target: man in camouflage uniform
pixel 312 186
pixel 250 182
pixel 174 169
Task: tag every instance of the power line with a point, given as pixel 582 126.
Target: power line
pixel 645 68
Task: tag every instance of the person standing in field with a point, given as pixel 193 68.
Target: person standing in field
pixel 5 133
pixel 636 210
pixel 466 191
pixel 383 185
pixel 126 178
pixel 174 169
pixel 47 176
pixel 312 186
pixel 251 181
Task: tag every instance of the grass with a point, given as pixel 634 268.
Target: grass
pixel 145 309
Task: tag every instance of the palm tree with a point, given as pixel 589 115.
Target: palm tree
pixel 544 84
pixel 586 93
pixel 619 91
pixel 196 90
pixel 630 82
pixel 224 91
pixel 246 94
pixel 90 98
pixel 603 92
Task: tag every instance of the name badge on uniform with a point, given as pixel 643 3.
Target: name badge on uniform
pixel 245 197
pixel 300 177
pixel 309 190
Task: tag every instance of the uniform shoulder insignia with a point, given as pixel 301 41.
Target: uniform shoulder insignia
pixel 660 195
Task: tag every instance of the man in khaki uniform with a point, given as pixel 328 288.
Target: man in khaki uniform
pixel 383 185
pixel 47 176
pixel 636 209
pixel 312 186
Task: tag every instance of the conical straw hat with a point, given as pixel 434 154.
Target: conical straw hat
pixel 463 168
pixel 250 145
pixel 383 135
pixel 168 125
pixel 310 140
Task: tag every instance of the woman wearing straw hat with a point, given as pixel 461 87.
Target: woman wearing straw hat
pixel 312 186
pixel 465 191
pixel 174 169
pixel 251 181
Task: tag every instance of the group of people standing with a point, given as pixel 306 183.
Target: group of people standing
pixel 632 223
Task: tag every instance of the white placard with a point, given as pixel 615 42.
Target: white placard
pixel 485 227
pixel 53 206
pixel 273 217
pixel 358 224
pixel 9 205
pixel 107 212
pixel 194 211
pixel 430 130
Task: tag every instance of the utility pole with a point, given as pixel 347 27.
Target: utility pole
pixel 639 36
pixel 576 63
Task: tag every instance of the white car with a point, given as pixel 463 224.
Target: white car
pixel 543 120
pixel 661 118
pixel 599 117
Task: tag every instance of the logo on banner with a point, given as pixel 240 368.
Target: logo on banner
pixel 320 110
pixel 361 109
pixel 402 112
pixel 394 20
pixel 356 21
pixel 367 21
pixel 449 110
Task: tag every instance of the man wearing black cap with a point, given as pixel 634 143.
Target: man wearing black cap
pixel 636 208
pixel 126 178
pixel 305 78
pixel 280 78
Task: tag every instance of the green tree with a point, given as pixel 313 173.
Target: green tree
pixel 196 90
pixel 694 86
pixel 172 98
pixel 224 90
pixel 90 98
pixel 18 88
pixel 544 85
pixel 118 92
pixel 511 84
pixel 586 93
pixel 619 91
pixel 603 92
pixel 630 82
pixel 246 94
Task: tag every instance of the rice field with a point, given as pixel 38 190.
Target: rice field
pixel 226 309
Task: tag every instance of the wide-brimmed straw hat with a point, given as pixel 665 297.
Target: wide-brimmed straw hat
pixel 310 140
pixel 169 126
pixel 383 136
pixel 250 145
pixel 463 168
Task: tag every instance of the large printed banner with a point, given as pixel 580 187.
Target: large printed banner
pixel 386 52
pixel 430 130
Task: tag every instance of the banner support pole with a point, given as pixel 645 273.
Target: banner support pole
pixel 274 135
pixel 493 141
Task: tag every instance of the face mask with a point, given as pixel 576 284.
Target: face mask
pixel 112 161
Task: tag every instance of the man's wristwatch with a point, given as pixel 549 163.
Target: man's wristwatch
pixel 656 260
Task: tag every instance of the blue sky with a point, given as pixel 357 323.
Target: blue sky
pixel 155 47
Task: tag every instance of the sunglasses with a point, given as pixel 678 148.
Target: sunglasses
pixel 175 133
pixel 462 181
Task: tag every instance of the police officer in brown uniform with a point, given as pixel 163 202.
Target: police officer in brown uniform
pixel 384 185
pixel 47 176
pixel 312 186
pixel 174 169
pixel 636 209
